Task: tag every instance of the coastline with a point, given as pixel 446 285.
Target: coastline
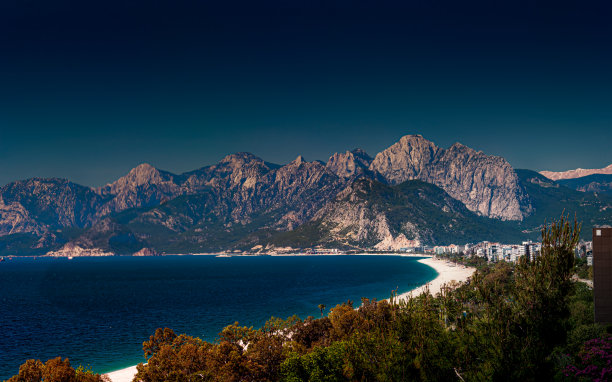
pixel 446 270
pixel 122 375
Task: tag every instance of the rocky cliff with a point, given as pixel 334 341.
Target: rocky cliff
pixel 143 186
pixel 349 164
pixel 41 205
pixel 486 184
pixel 371 214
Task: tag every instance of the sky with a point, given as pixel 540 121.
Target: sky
pixel 90 89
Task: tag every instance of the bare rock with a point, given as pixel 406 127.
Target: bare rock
pixel 486 184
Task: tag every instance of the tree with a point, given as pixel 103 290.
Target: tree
pixel 55 370
pixel 542 294
pixel 321 308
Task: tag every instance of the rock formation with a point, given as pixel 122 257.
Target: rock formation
pixel 243 201
pixel 72 250
pixel 143 186
pixel 486 184
pixel 349 164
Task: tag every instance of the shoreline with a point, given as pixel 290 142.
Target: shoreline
pixel 122 375
pixel 446 270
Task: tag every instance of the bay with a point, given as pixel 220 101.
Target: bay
pixel 98 311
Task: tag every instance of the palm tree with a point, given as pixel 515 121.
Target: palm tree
pixel 321 308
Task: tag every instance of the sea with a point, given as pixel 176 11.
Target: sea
pixel 97 311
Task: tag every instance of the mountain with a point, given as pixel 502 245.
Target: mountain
pixel 222 206
pixel 412 191
pixel 549 198
pixel 372 214
pixel 577 173
pixel 144 185
pixel 487 185
pixel 41 205
pixel 349 164
pixel 590 183
pixel 41 214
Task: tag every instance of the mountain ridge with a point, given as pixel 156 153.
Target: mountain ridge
pixel 576 173
pixel 244 201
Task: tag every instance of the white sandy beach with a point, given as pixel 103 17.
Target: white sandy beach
pixel 447 272
pixel 123 375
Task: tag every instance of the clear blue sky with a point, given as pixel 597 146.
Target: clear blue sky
pixel 90 89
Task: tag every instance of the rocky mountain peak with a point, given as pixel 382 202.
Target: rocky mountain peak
pixel 240 159
pixel 406 159
pixel 486 184
pixel 144 185
pixel 350 163
pixel 361 153
pixel 298 161
pixel 142 175
pixel 460 147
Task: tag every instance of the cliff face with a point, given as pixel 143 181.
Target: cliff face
pixel 143 186
pixel 240 194
pixel 349 164
pixel 486 184
pixel 368 213
pixel 39 205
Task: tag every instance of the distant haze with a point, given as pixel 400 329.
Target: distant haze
pixel 90 90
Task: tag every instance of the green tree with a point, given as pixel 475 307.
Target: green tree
pixel 321 308
pixel 543 288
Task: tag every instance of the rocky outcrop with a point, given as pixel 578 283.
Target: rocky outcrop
pixel 486 184
pixel 410 158
pixel 143 186
pixel 235 171
pixel 15 218
pixel 370 214
pixel 577 173
pixel 391 243
pixel 73 250
pixel 39 205
pixel 146 252
pixel 349 164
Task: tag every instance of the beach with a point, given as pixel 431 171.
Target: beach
pixel 123 375
pixel 447 272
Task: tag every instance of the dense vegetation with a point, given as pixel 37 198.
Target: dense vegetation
pixel 526 322
pixel 55 370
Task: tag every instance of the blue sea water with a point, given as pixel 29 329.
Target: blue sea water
pixel 98 311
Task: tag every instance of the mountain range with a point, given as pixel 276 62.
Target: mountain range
pixel 577 173
pixel 413 192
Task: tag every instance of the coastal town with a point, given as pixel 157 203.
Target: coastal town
pixel 490 251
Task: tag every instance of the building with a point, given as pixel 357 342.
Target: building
pixel 602 274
